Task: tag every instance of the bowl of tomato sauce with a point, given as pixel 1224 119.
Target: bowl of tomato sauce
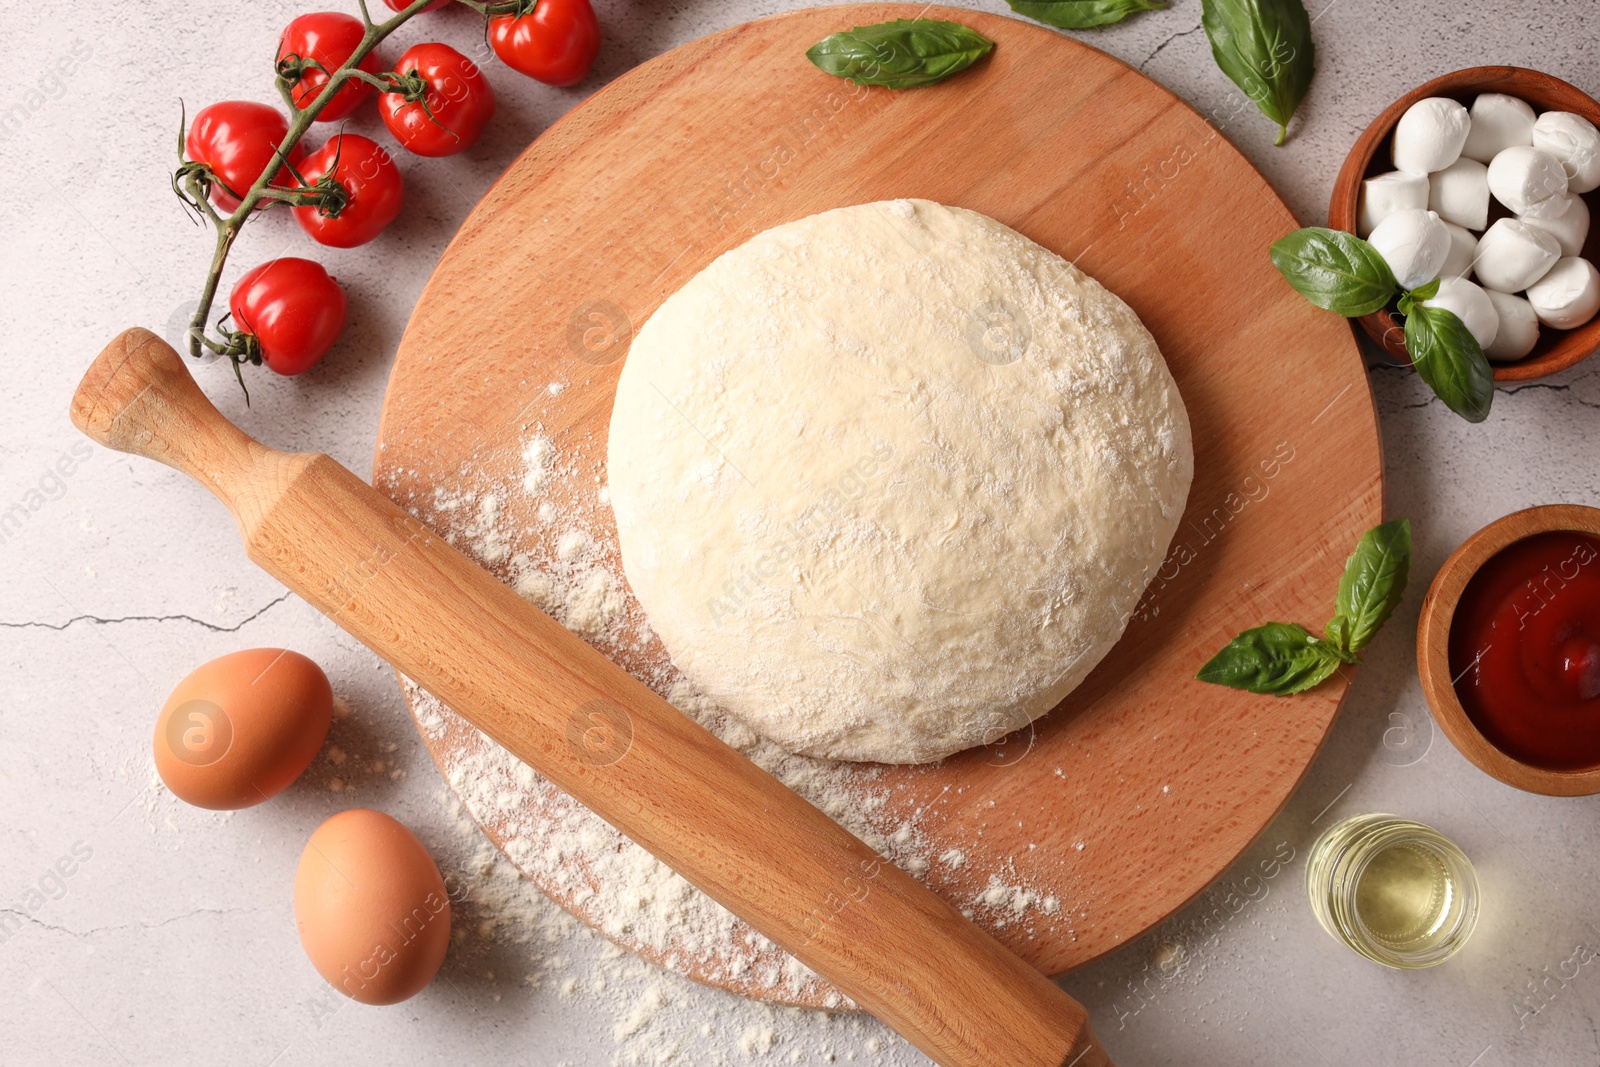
pixel 1508 649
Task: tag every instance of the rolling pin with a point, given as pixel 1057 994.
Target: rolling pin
pixel 741 836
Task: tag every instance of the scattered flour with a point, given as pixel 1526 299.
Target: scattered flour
pixel 479 531
pixel 758 1040
pixel 354 759
pixel 537 455
pixel 541 535
pixel 625 892
pixel 655 1018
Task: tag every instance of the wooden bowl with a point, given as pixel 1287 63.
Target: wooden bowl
pixel 1557 349
pixel 1433 647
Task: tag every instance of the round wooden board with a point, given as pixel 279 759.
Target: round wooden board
pixel 1135 793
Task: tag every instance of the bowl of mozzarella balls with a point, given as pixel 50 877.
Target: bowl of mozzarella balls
pixel 1485 179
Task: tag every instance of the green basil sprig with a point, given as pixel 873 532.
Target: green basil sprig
pixel 902 54
pixel 1265 47
pixel 1346 275
pixel 1374 579
pixel 1082 14
pixel 1335 270
pixel 1282 658
pixel 1447 356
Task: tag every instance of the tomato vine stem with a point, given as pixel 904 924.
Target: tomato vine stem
pixel 493 8
pixel 193 180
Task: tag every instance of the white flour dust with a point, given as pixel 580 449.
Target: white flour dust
pixel 653 1017
pixel 537 529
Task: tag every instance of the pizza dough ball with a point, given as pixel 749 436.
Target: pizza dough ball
pixel 890 480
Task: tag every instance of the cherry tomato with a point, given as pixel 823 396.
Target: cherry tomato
pixel 556 42
pixel 457 95
pixel 401 5
pixel 330 38
pixel 295 309
pixel 239 139
pixel 371 181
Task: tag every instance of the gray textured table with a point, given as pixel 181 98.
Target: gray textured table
pixel 173 941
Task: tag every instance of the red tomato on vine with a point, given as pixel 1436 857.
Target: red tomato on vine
pixel 330 38
pixel 456 102
pixel 238 140
pixel 373 191
pixel 294 309
pixel 555 43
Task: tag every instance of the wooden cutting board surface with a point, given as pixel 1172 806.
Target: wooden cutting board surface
pixel 1134 794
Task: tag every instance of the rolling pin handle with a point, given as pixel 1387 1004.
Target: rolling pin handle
pixel 139 397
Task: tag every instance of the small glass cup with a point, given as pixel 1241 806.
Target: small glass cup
pixel 1396 891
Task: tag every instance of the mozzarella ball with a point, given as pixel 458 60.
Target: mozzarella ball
pixel 1429 135
pixel 1498 122
pixel 1570 228
pixel 1512 255
pixel 1471 305
pixel 1387 193
pixel 1463 249
pixel 1529 182
pixel 1414 244
pixel 1568 295
pixel 1574 141
pixel 1519 327
pixel 1460 193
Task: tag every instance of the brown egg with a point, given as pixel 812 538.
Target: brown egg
pixel 372 911
pixel 240 728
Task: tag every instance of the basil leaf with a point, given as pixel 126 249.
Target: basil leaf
pixel 1412 297
pixel 1338 632
pixel 1265 47
pixel 1425 292
pixel 1334 270
pixel 1374 579
pixel 1449 359
pixel 1082 14
pixel 1279 658
pixel 902 54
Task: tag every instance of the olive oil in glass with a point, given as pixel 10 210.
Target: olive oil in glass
pixel 1396 891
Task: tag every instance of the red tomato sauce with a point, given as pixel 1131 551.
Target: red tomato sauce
pixel 1525 650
